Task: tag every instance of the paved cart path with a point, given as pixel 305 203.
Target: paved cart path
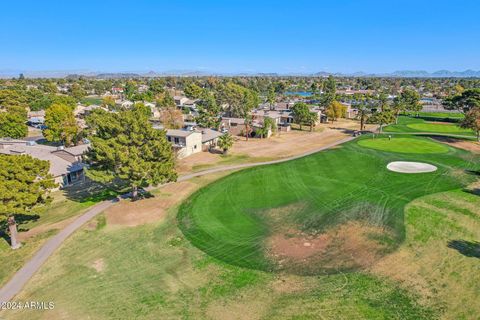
pixel 22 276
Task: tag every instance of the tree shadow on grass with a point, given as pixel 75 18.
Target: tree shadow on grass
pixel 91 191
pixel 25 218
pixel 467 248
pixel 4 235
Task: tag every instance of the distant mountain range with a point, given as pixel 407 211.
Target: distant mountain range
pixel 10 73
pixel 409 74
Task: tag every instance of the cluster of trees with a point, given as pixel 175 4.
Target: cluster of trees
pixel 467 102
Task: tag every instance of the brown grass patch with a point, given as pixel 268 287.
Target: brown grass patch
pixel 345 247
pixel 98 265
pixel 461 144
pixel 289 284
pixel 25 235
pixel 128 213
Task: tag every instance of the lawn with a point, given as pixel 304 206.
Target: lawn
pixel 91 100
pixel 410 125
pixel 438 116
pixel 404 145
pixel 263 218
pixel 229 160
pixel 46 222
pixel 154 272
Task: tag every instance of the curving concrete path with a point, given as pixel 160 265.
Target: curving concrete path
pixel 22 276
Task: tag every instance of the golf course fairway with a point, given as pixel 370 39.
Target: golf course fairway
pixel 404 145
pixel 337 210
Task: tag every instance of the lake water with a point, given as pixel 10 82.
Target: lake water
pixel 299 93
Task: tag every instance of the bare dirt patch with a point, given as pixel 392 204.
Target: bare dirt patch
pixel 349 246
pixel 461 144
pixel 25 235
pixel 128 213
pixel 98 265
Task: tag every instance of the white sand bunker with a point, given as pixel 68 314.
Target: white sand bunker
pixel 410 167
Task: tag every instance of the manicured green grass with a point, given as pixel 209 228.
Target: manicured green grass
pixel 92 100
pixel 412 124
pixel 153 272
pixel 440 128
pixel 404 145
pixel 438 115
pixel 66 204
pixel 231 159
pixel 229 219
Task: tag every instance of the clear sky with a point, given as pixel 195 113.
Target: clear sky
pixel 240 36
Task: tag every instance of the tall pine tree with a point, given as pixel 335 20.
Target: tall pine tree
pixel 124 145
pixel 24 186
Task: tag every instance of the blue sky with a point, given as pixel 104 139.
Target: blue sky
pixel 240 36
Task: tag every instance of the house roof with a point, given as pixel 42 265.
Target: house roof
pixel 234 120
pixel 178 133
pixel 77 150
pixel 209 134
pixel 58 166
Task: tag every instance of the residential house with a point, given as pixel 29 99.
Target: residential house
pixel 191 140
pixel 65 163
pixel 185 142
pixel 180 100
pixel 209 138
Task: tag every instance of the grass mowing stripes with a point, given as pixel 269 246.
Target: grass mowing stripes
pixel 412 124
pixel 404 145
pixel 228 219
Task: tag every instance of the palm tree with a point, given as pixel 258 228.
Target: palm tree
pixel 225 142
pixel 363 114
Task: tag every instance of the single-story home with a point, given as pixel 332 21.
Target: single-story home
pixel 65 163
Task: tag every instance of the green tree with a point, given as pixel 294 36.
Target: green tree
pixel 240 102
pixel 77 92
pixel 156 86
pixel 124 145
pixel 363 114
pixel 208 111
pixel 336 110
pixel 130 89
pixel 49 87
pixel 141 107
pixel 193 91
pixel 13 122
pixel 300 113
pixel 329 91
pixel 61 125
pixel 24 186
pixel 311 120
pixel 408 100
pixel 271 97
pixel 225 142
pixel 108 102
pixel 382 117
pixel 465 101
pixel 13 98
pixel 472 121
pixel 165 100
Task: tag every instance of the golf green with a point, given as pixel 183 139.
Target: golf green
pixel 334 211
pixel 438 127
pixel 404 145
